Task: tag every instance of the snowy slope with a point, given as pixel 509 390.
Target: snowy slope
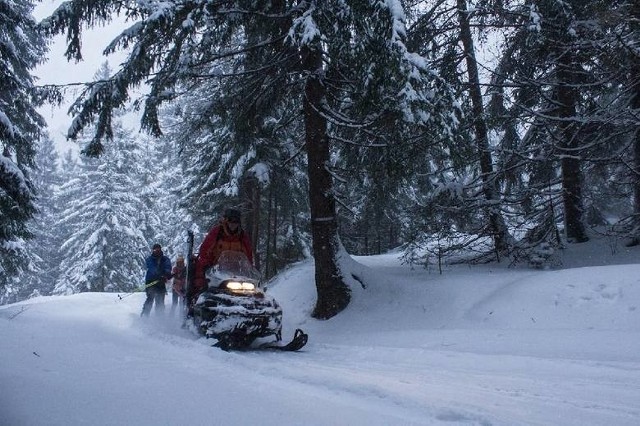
pixel 483 345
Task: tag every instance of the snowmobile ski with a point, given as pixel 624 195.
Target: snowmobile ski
pixel 300 339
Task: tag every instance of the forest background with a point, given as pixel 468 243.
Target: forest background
pixel 346 126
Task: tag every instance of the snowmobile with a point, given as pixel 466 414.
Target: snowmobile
pixel 235 310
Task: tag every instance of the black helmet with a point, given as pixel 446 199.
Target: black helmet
pixel 232 215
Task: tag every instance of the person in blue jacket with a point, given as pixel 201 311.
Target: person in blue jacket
pixel 158 272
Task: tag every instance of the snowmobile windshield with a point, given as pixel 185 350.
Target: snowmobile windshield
pixel 234 264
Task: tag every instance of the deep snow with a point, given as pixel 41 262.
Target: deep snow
pixel 484 345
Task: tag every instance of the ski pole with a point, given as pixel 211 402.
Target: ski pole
pixel 125 295
pixel 139 289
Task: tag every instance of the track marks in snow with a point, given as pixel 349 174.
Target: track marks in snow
pixel 425 384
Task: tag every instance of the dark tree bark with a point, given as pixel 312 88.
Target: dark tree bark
pixel 273 223
pixel 635 105
pixel 634 16
pixel 490 188
pixel 567 97
pixel 251 201
pixel 333 293
pixel 270 268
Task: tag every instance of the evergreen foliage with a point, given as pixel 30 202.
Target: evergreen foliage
pixel 106 247
pixel 561 111
pixel 165 195
pixel 44 247
pixel 21 49
pixel 107 217
pixel 345 64
pixel 360 123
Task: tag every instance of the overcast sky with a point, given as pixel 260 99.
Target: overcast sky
pixel 57 70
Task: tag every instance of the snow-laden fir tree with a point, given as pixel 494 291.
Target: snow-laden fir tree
pixel 317 57
pixel 262 174
pixel 107 218
pixel 148 175
pixel 21 49
pixel 170 220
pixel 563 111
pixel 45 245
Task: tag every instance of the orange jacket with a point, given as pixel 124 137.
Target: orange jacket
pixel 221 239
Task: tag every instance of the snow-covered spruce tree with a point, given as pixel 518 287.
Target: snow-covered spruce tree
pixel 448 183
pixel 457 58
pixel 69 171
pixel 45 246
pixel 21 49
pixel 361 113
pixel 551 74
pixel 297 47
pixel 262 174
pixel 618 189
pixel 169 219
pixel 490 184
pixel 381 151
pixel 106 215
pixel 559 27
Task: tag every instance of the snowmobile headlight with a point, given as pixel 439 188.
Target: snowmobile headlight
pixel 240 286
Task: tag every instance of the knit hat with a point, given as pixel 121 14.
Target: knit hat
pixel 232 215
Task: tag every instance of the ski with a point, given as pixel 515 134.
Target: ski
pixel 300 339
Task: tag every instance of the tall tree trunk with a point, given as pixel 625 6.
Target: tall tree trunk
pixel 635 105
pixel 274 227
pixel 269 256
pixel 333 293
pixel 251 202
pixel 570 163
pixel 634 17
pixel 490 189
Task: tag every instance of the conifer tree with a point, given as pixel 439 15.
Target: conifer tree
pixel 21 49
pixel 319 57
pixel 566 77
pixel 171 220
pixel 106 215
pixel 45 246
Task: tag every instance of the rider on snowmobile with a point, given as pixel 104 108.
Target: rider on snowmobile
pixel 227 235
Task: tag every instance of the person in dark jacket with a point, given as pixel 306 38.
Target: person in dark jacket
pixel 158 272
pixel 179 275
pixel 226 235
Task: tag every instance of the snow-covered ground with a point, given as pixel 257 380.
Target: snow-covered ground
pixel 483 345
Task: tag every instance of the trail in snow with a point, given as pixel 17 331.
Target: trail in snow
pixel 473 346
